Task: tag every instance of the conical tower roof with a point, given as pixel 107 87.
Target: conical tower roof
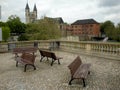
pixel 27 6
pixel 35 9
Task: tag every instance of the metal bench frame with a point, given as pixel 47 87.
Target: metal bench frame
pixel 79 70
pixel 26 59
pixel 49 54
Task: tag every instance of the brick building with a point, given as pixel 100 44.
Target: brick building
pixel 85 29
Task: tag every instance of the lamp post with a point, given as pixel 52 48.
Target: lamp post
pixel 0 27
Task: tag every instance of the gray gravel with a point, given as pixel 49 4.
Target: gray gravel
pixel 105 74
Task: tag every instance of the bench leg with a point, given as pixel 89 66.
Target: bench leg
pixel 25 67
pixel 16 55
pixel 73 79
pixel 41 59
pixel 47 59
pixel 58 61
pixel 70 81
pixel 83 82
pixel 16 63
pixel 29 64
pixel 88 72
pixel 52 62
pixel 34 67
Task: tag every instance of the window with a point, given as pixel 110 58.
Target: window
pixel 91 25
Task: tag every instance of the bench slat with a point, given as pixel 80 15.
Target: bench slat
pixel 18 59
pixel 74 65
pixel 78 70
pixel 49 54
pixel 82 71
pixel 26 59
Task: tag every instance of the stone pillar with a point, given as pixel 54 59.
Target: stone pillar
pixel 88 47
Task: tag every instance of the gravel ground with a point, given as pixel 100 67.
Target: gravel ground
pixel 105 74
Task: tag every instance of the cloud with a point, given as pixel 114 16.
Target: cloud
pixel 69 10
pixel 109 3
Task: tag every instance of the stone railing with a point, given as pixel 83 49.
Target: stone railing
pixel 39 44
pixel 101 49
pixel 3 47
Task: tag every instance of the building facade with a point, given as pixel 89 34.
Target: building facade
pixel 85 29
pixel 30 16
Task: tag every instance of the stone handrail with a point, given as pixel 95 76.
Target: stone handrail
pixel 85 47
pixel 101 49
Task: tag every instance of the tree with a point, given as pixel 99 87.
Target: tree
pixel 108 29
pixel 117 34
pixel 5 33
pixel 44 29
pixel 16 26
pixel 2 24
pixel 23 37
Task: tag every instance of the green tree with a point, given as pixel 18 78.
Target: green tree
pixel 2 24
pixel 16 26
pixel 108 29
pixel 117 34
pixel 5 33
pixel 44 29
pixel 23 37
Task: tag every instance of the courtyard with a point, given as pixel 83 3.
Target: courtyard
pixel 104 74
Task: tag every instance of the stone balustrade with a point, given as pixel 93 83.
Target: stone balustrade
pixel 85 47
pixel 3 47
pixel 101 49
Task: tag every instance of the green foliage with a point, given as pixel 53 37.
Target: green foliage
pixel 43 30
pixel 16 26
pixel 117 34
pixel 110 30
pixel 5 33
pixel 2 24
pixel 23 37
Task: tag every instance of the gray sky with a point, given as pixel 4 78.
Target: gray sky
pixel 69 10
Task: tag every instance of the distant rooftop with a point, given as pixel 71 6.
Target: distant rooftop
pixel 58 20
pixel 85 21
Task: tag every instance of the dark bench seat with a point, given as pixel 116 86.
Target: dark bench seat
pixel 79 70
pixel 49 54
pixel 16 51
pixel 26 59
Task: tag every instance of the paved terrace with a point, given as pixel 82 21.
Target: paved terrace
pixel 105 74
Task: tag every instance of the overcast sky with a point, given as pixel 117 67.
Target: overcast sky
pixel 69 10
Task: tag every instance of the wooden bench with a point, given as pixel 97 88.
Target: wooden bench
pixel 16 51
pixel 26 59
pixel 49 54
pixel 79 70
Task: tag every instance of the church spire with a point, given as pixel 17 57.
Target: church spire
pixel 35 9
pixel 27 6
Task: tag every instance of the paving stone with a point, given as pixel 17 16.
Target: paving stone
pixel 105 74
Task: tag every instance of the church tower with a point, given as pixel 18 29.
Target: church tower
pixel 35 12
pixel 27 13
pixel 31 17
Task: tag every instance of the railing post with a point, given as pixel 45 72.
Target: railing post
pixel 11 46
pixel 88 47
pixel 36 44
pixel 3 48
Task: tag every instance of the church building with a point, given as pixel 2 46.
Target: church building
pixel 31 17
